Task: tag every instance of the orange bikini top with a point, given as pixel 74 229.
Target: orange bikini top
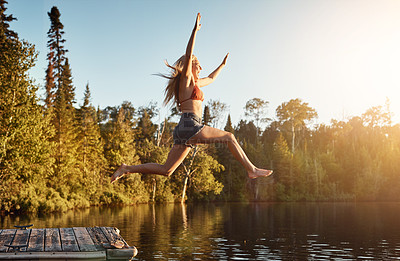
pixel 197 94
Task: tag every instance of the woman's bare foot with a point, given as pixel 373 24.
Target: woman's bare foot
pixel 259 173
pixel 119 173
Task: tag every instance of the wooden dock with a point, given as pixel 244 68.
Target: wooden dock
pixel 77 243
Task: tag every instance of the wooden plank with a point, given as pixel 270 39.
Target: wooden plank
pixel 55 256
pixel 125 253
pixel 21 238
pixel 98 237
pixel 52 242
pixel 68 241
pixel 36 240
pixel 85 242
pixel 113 235
pixel 6 238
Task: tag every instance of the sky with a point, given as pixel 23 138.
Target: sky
pixel 341 57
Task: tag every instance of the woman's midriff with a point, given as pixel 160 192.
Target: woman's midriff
pixel 194 106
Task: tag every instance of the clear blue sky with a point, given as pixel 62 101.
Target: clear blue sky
pixel 341 57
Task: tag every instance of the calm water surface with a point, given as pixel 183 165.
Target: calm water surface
pixel 239 231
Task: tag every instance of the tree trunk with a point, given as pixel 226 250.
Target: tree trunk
pixel 317 177
pixel 184 188
pixel 188 171
pixel 293 136
pixel 154 189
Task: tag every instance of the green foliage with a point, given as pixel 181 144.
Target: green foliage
pixel 120 141
pixel 24 130
pixel 198 172
pixel 293 117
pixel 157 186
pixel 202 183
pixel 233 176
pixel 91 152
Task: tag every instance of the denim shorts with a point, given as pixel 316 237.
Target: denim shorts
pixel 188 126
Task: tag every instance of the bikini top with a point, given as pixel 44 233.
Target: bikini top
pixel 197 94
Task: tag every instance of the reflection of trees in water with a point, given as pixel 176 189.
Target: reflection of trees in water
pixel 259 230
pixel 180 231
pixel 307 230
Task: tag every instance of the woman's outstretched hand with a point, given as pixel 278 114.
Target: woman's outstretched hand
pixel 197 26
pixel 226 58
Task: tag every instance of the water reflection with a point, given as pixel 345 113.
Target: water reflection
pixel 234 231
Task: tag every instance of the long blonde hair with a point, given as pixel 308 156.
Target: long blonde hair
pixel 172 88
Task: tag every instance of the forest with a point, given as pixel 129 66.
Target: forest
pixel 57 155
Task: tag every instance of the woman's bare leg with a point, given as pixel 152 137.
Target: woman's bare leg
pixel 212 135
pixel 175 158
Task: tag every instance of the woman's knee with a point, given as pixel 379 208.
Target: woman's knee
pixel 167 171
pixel 230 137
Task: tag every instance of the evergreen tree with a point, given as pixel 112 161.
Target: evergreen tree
pixel 282 165
pixel 233 177
pixel 50 84
pixel 66 129
pixel 91 152
pixel 158 186
pixel 246 132
pixel 68 179
pixel 146 128
pixel 228 126
pixel 56 56
pixel 120 148
pixel 206 115
pixel 67 86
pixel 5 32
pixel 120 141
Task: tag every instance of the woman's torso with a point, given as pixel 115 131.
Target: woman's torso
pixel 187 103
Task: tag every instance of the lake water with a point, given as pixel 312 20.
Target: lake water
pixel 244 231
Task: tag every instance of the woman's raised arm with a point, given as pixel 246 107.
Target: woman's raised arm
pixel 187 67
pixel 207 80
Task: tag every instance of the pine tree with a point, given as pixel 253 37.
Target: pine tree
pixel 5 33
pixel 120 141
pixel 61 98
pixel 232 177
pixel 66 128
pixel 120 148
pixel 91 152
pixel 206 116
pixel 50 85
pixel 56 56
pixel 146 128
pixel 282 165
pixel 66 86
pixel 228 126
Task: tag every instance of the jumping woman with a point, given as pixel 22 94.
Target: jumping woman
pixel 184 89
